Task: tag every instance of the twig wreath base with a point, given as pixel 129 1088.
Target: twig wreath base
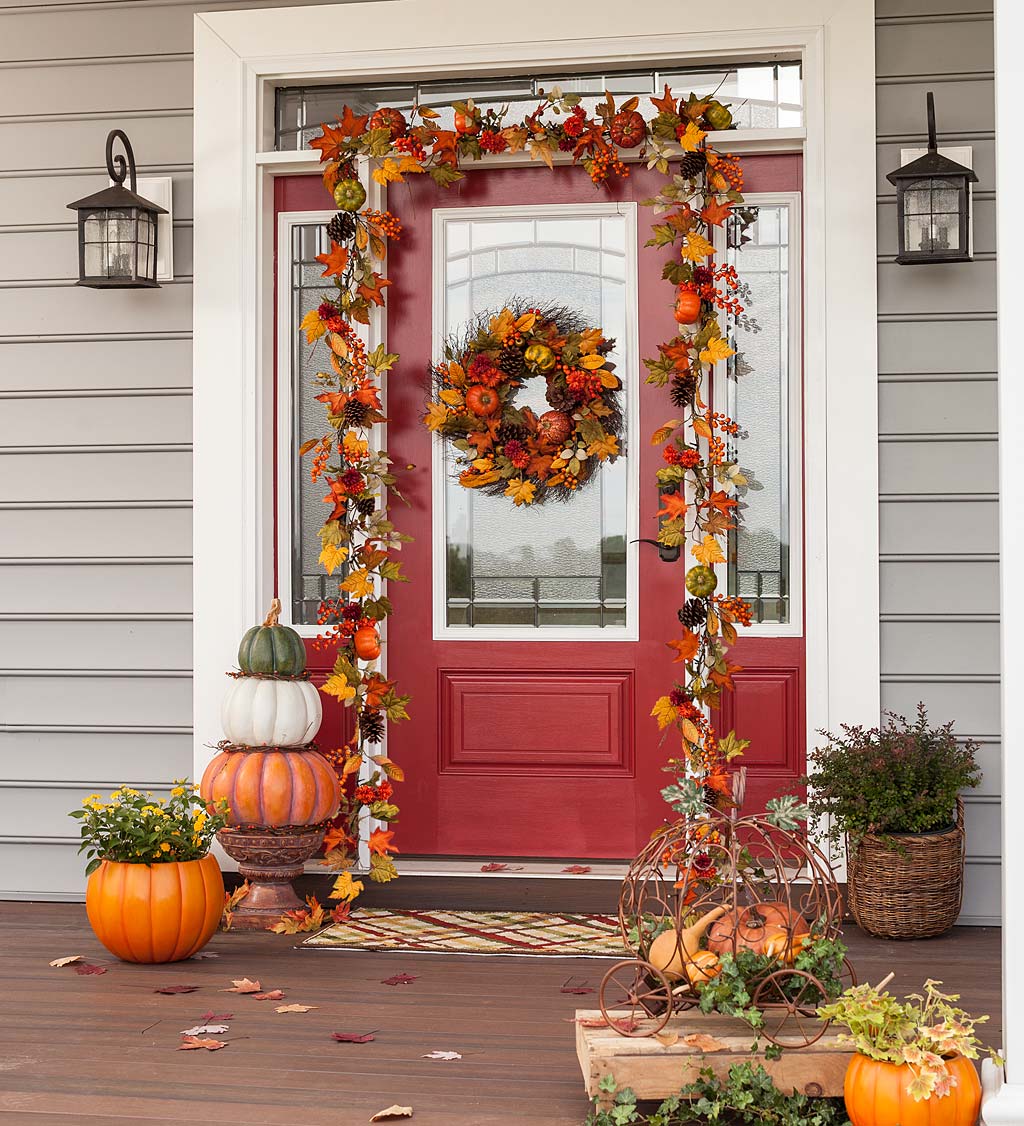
pixel 506 450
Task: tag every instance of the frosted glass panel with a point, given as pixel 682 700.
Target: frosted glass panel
pixel 557 564
pixel 760 552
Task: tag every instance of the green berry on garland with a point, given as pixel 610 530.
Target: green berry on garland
pixel 349 195
pixel 693 614
pixel 701 581
pixel 341 228
pixel 682 390
pixel 692 165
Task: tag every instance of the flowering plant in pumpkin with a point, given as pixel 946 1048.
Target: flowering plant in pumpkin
pixel 135 828
pixel 925 1031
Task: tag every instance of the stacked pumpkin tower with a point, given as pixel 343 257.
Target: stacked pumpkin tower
pixel 279 789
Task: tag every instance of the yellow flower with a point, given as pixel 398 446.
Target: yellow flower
pixel 178 792
pixel 199 819
pixel 165 847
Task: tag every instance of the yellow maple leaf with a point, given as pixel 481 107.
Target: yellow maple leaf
pixel 312 326
pixel 502 324
pixel 452 397
pixel 394 171
pixel 515 136
pixel 338 687
pixel 456 374
pixel 358 583
pixel 696 247
pixel 521 491
pixel 717 349
pixel 708 552
pixel 589 340
pixel 592 362
pixel 346 888
pixel 691 139
pixel 605 447
pixel 333 556
pixel 354 446
pixel 526 322
pixel 436 416
pixel 664 712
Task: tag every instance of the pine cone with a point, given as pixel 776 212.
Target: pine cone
pixel 356 413
pixel 366 505
pixel 682 390
pixel 561 397
pixel 693 614
pixel 341 228
pixel 507 432
pixel 692 165
pixel 511 361
pixel 371 726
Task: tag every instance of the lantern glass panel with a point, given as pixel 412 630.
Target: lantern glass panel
pixel 147 245
pixel 931 210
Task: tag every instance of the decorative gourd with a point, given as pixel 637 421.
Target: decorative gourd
pixel 751 928
pixel 273 788
pixel 672 951
pixel 876 1095
pixel 482 401
pixel 701 581
pixel 272 649
pixel 702 967
pixel 687 308
pixel 367 643
pixel 270 713
pixel 540 358
pixel 155 912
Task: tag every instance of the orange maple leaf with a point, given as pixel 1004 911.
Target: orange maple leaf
pixel 724 679
pixel 380 842
pixel 373 292
pixel 673 506
pixel 665 104
pixel 331 142
pixel 337 838
pixel 678 351
pixel 716 213
pixel 376 688
pixel 368 393
pixel 335 261
pixel 444 147
pixel 720 500
pixel 335 401
pixel 686 647
pixel 338 497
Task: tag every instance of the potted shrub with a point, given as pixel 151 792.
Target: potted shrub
pixel 155 894
pixel 912 1059
pixel 893 794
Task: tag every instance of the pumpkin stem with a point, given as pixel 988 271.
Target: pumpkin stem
pixel 275 613
pixel 885 981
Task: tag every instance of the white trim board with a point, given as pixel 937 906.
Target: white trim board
pixel 240 55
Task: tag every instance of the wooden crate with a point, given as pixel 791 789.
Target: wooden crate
pixel 656 1069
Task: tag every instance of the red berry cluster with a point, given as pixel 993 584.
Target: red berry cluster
pixel 411 146
pixel 492 141
pixel 585 384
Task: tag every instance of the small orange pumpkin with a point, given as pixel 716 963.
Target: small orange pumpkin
pixel 687 308
pixel 482 401
pixel 155 912
pixel 367 642
pixel 750 928
pixel 876 1095
pixel 273 787
pixel 466 122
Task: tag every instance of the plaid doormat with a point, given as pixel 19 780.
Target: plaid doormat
pixel 474 932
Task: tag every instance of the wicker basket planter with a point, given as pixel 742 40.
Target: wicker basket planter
pixel 912 892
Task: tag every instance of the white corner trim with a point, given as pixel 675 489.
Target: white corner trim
pixel 238 56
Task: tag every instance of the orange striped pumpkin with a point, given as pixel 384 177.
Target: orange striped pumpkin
pixel 155 912
pixel 274 787
pixel 876 1095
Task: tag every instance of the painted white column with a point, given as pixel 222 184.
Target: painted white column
pixel 1004 1090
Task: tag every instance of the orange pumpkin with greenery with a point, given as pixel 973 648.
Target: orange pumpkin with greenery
pixel 877 1094
pixel 154 894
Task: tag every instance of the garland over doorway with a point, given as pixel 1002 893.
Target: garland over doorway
pixel 701 479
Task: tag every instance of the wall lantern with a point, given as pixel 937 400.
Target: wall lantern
pixel 933 205
pixel 117 229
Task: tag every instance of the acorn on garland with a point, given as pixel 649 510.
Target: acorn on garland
pixel 509 451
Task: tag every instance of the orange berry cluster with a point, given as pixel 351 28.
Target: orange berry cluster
pixel 390 226
pixel 411 146
pixel 728 168
pixel 321 458
pixel 716 451
pixel 735 609
pixel 603 165
pixel 723 422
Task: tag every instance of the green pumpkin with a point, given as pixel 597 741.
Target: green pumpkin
pixel 271 649
pixel 349 195
pixel 718 116
pixel 701 581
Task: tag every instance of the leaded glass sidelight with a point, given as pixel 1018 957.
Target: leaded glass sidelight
pixel 558 564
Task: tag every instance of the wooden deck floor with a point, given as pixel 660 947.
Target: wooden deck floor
pixel 102 1050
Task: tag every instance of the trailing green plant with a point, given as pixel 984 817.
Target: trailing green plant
pixel 902 777
pixel 918 1031
pixel 748 1095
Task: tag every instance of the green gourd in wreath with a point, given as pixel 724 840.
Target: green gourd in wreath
pixel 272 649
pixel 506 450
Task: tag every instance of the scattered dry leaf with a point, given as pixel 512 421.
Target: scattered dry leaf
pixel 270 995
pixel 243 985
pixel 625 1024
pixel 203 955
pixel 176 989
pixel 577 869
pixel 705 1043
pixel 191 1042
pixel 592 1022
pixel 392 1112
pixel 217 1016
pixel 84 968
pixel 353 1037
pixel 295 1008
pixel 497 866
pixel 666 1038
pixel 443 1056
pixel 576 985
pixel 58 962
pixel 205 1030
pixel 399 979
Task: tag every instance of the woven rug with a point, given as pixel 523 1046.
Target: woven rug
pixel 474 932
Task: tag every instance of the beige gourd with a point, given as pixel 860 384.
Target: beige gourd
pixel 673 950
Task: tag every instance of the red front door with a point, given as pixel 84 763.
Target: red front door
pixel 533 641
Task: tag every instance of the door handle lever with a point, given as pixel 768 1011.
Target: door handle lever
pixel 666 553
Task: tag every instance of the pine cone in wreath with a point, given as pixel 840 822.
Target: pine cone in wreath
pixel 692 165
pixel 508 432
pixel 693 613
pixel 341 228
pixel 682 390
pixel 371 726
pixel 561 397
pixel 366 505
pixel 356 413
pixel 511 361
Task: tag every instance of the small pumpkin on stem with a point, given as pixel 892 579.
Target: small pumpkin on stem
pixel 272 649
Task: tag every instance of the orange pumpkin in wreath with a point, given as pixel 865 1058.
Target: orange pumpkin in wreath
pixel 482 401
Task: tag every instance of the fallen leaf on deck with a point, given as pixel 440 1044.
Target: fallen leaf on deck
pixel 705 1043
pixel 176 989
pixel 270 995
pixel 85 968
pixel 243 985
pixel 577 869
pixel 58 962
pixel 392 1112
pixel 443 1056
pixel 572 985
pixel 626 1025
pixel 400 979
pixel 203 955
pixel 191 1042
pixel 217 1016
pixel 205 1029
pixel 666 1038
pixel 590 1022
pixel 497 866
pixel 295 1008
pixel 352 1037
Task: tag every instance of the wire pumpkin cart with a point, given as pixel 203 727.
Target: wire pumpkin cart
pixel 724 884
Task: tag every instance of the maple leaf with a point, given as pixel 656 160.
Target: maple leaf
pixel 336 837
pixel 338 687
pixel 715 524
pixel 380 842
pixel 521 492
pixel 242 985
pixel 58 962
pixel 191 1042
pixel 85 969
pixel 540 466
pixel 731 746
pixel 331 142
pixel 436 416
pixel 692 137
pixel 389 1112
pixel 708 552
pixel 335 261
pixel 270 995
pixel 716 213
pixel 439 1055
pixel 724 679
pixel 678 351
pixel 217 1016
pixel 576 870
pixel 667 103
pixel 373 291
pixel 359 583
pixel 604 448
pixel 176 989
pixel 205 1029
pixel 673 506
pixel 721 501
pixel 717 349
pixel 353 1037
pixel 515 137
pixel 332 556
pixel 696 248
pixel 295 1008
pixel 395 171
pixel 346 888
pixel 664 711
pixel 400 979
pixel 312 326
pixel 686 647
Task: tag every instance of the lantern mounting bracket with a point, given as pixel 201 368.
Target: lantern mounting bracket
pixel 119 166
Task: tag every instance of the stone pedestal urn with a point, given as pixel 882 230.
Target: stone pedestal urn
pixel 280 790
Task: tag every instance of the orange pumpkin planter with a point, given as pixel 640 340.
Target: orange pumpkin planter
pixel 155 912
pixel 876 1095
pixel 273 788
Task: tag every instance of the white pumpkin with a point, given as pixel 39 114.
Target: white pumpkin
pixel 258 712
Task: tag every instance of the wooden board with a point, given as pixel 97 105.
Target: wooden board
pixel 655 1069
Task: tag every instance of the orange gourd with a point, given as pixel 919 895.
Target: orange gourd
pixel 876 1095
pixel 687 307
pixel 750 928
pixel 155 912
pixel 273 787
pixel 482 401
pixel 367 643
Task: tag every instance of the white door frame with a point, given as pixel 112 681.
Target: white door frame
pixel 241 55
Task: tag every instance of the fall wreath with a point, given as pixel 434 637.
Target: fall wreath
pixel 512 451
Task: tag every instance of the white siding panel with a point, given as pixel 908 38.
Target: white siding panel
pixel 28 311
pixel 950 407
pixel 158 141
pixel 973 707
pixel 122 86
pixel 981 822
pixel 34 869
pixel 960 108
pixel 108 588
pixel 952 288
pixel 942 47
pixel 94 759
pixel 90 533
pixel 122 30
pixel 942 647
pixel 49 255
pixel 97 701
pixel 95 476
pixel 44 365
pixel 936 346
pixel 158 646
pixel 43 812
pixel 937 467
pixel 31 200
pixel 982 906
pixel 926 528
pixel 961 587
pixel 96 420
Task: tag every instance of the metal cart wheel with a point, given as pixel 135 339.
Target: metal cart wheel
pixel 640 989
pixel 789 1000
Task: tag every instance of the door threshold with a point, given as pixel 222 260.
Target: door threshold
pixel 514 869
